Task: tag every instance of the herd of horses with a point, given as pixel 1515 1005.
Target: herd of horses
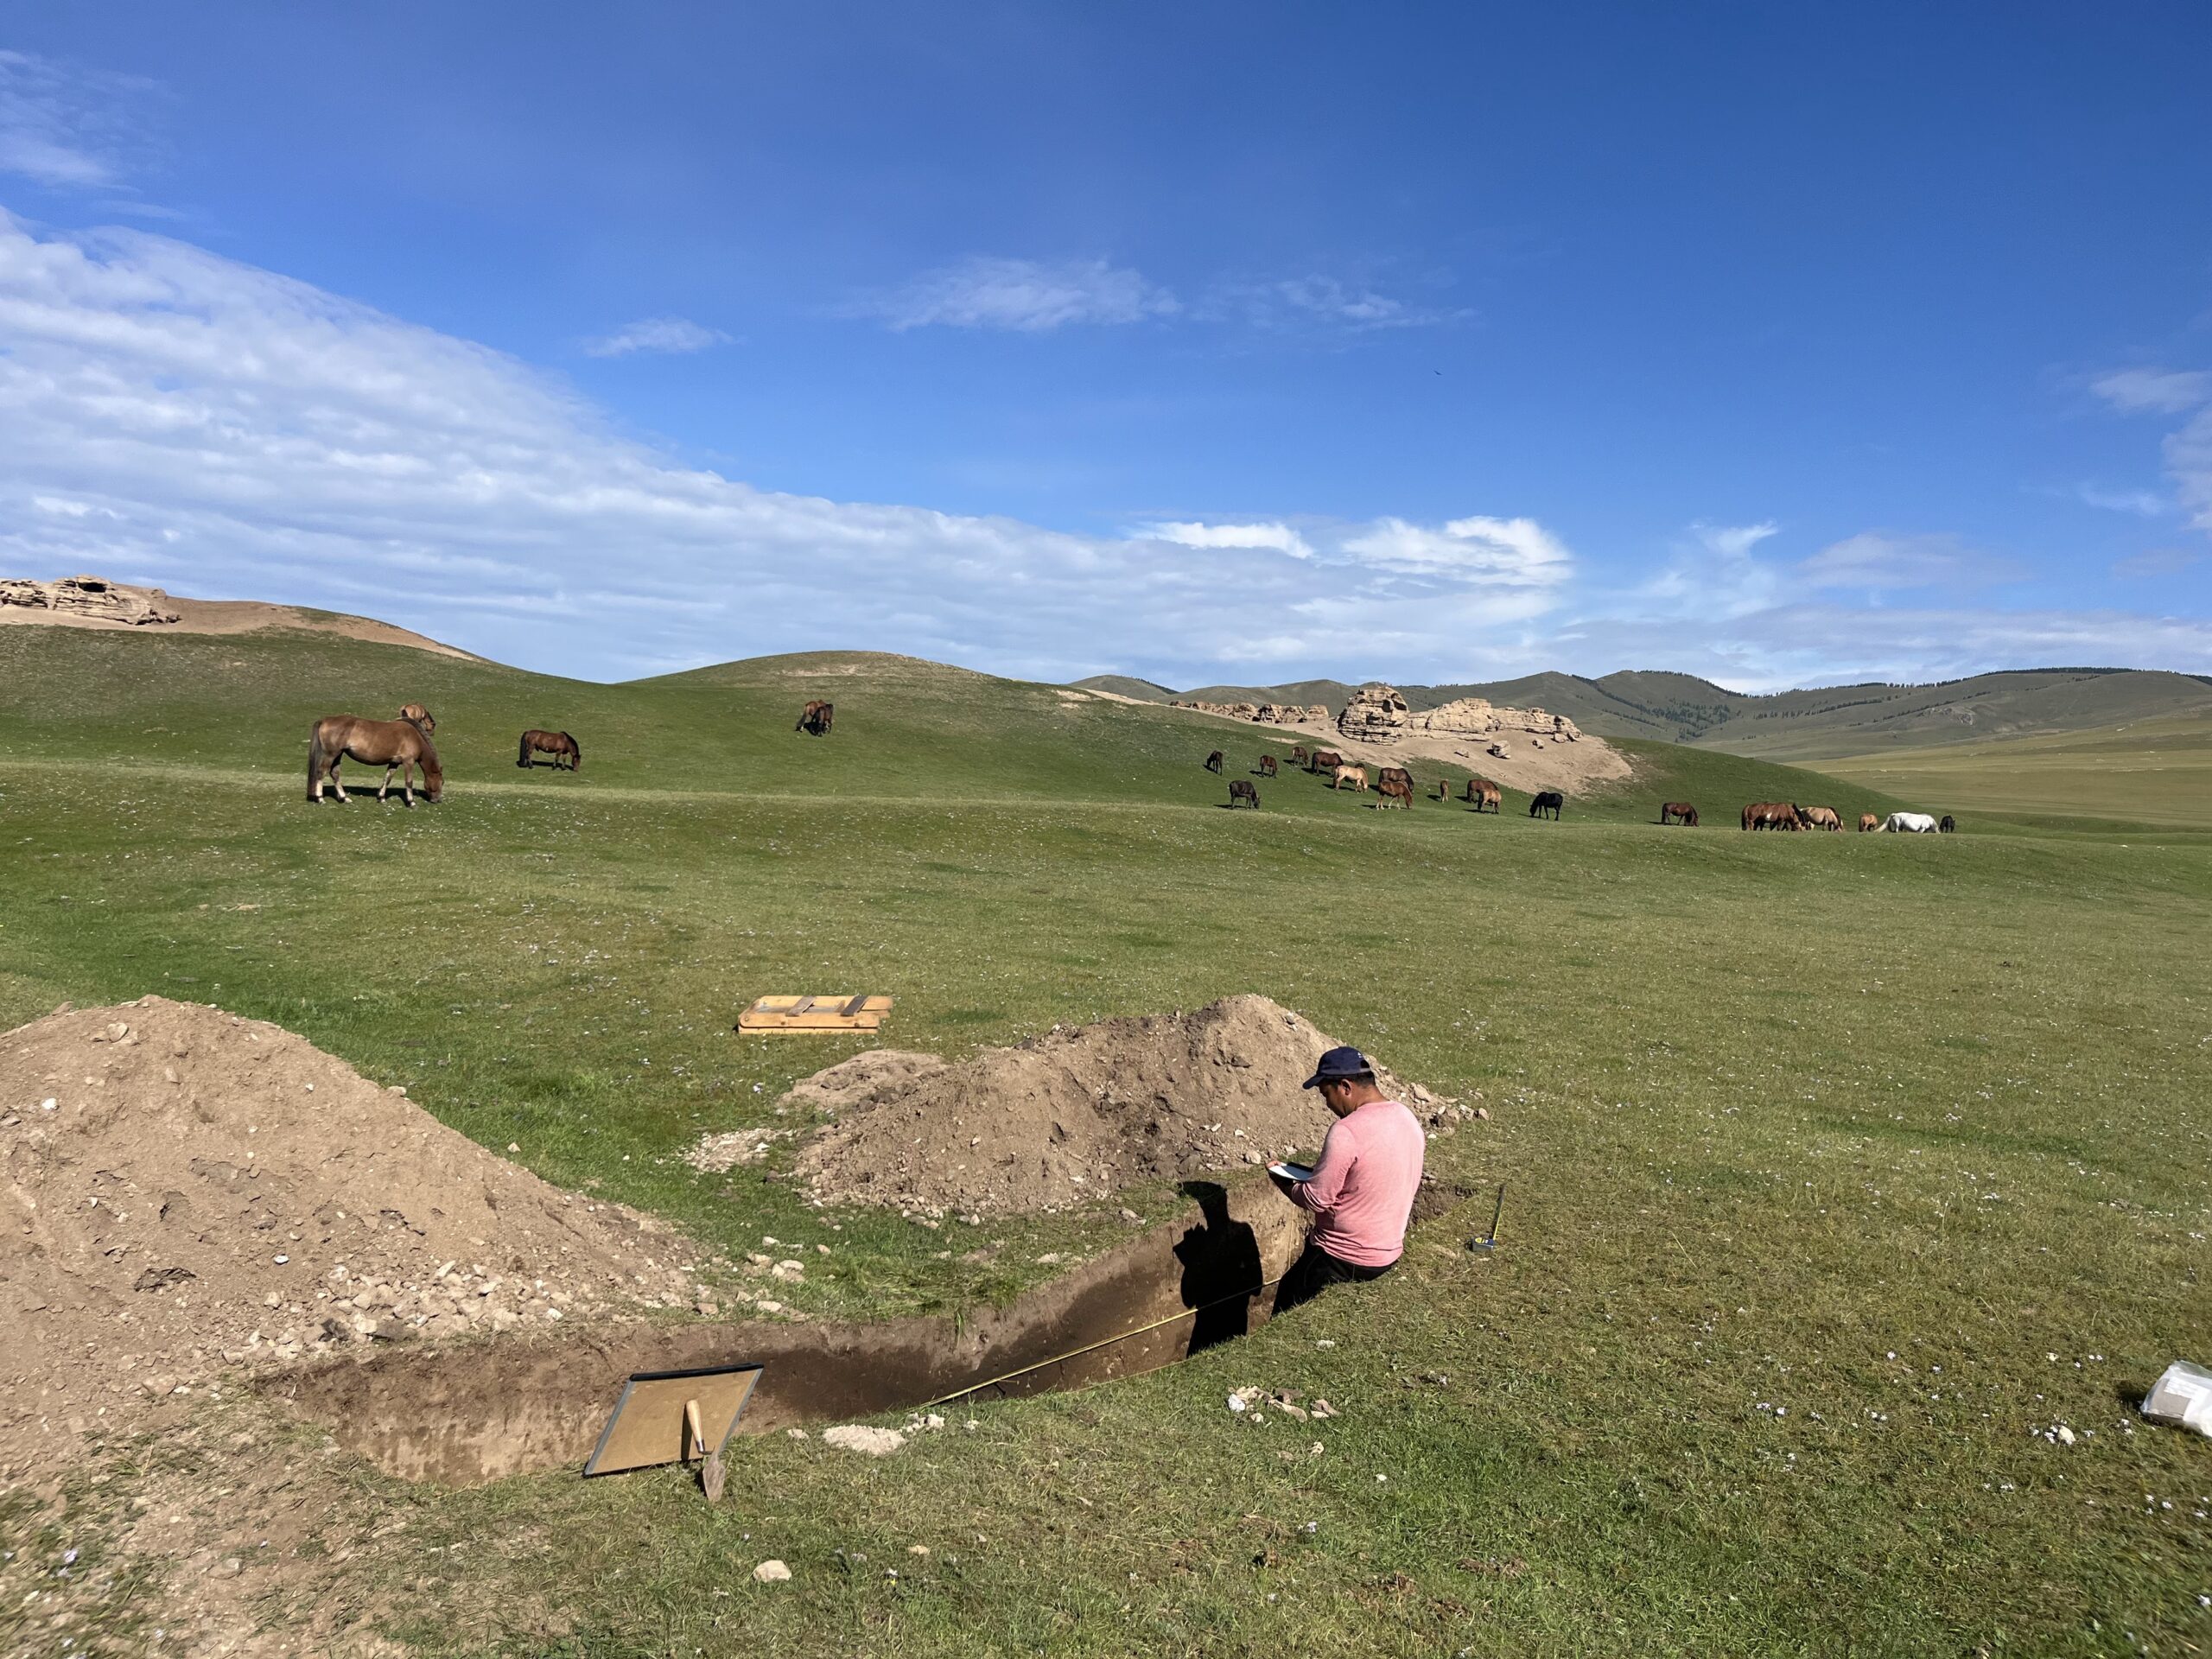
pixel 403 748
pixel 1395 786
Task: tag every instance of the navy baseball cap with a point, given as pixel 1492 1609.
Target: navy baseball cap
pixel 1340 1063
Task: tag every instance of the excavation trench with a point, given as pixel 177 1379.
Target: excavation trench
pixel 467 1414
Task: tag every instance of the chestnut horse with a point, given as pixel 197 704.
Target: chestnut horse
pixel 1266 766
pixel 556 744
pixel 1484 793
pixel 398 746
pixel 816 718
pixel 1670 810
pixel 1868 823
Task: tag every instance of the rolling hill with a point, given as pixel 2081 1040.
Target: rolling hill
pixel 1821 723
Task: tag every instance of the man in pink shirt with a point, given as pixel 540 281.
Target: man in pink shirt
pixel 1362 1190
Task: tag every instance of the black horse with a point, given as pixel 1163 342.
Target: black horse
pixel 1550 801
pixel 1949 826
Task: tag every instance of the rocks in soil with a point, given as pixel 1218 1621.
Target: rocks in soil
pixel 1068 1118
pixel 90 596
pixel 772 1572
pixel 859 1437
pixel 189 1204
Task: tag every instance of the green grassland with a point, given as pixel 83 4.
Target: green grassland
pixel 2151 771
pixel 1843 1169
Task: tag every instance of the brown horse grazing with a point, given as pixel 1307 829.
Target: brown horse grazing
pixel 1772 815
pixel 416 713
pixel 1396 775
pixel 1356 775
pixel 1821 818
pixel 1266 766
pixel 1440 791
pixel 1395 792
pixel 1868 823
pixel 1298 754
pixel 1213 761
pixel 1484 793
pixel 1242 788
pixel 398 746
pixel 816 719
pixel 1673 809
pixel 559 745
pixel 1323 760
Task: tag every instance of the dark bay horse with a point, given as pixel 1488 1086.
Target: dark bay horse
pixel 559 745
pixel 1670 810
pixel 1550 801
pixel 398 746
pixel 816 718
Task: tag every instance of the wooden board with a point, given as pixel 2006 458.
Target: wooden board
pixel 772 1014
pixel 647 1426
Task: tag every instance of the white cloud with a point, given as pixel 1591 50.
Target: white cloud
pixel 228 431
pixel 1878 561
pixel 1326 301
pixel 1505 552
pixel 2144 504
pixel 1282 537
pixel 656 334
pixel 1024 296
pixel 66 129
pixel 2164 391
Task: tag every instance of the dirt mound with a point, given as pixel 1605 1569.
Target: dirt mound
pixel 186 1189
pixel 1068 1117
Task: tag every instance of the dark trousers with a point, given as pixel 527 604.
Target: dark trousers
pixel 1315 1271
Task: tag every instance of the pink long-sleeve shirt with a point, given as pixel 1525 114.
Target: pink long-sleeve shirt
pixel 1363 1189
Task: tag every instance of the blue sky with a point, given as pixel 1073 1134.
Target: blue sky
pixel 1782 345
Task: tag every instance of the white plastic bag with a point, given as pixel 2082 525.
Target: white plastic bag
pixel 2182 1397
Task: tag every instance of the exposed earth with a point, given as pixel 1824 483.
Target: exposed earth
pixel 189 1193
pixel 1072 1116
pixel 85 601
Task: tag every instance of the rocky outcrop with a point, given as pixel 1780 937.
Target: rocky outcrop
pixel 1479 717
pixel 1262 714
pixel 93 597
pixel 1376 714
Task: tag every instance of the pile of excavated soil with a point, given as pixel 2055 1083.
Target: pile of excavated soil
pixel 1068 1117
pixel 186 1189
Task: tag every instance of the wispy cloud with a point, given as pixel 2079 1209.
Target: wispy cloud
pixel 65 127
pixel 662 335
pixel 1879 561
pixel 1325 303
pixel 195 422
pixel 1024 296
pixel 1489 552
pixel 2162 392
pixel 2142 503
pixel 2159 562
pixel 1280 537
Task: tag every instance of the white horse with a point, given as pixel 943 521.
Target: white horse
pixel 1915 823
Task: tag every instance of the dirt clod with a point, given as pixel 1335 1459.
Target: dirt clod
pixel 1070 1117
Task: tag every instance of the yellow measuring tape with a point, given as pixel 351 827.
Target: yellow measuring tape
pixel 1092 1348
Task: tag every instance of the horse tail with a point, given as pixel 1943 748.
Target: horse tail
pixel 522 751
pixel 575 755
pixel 315 756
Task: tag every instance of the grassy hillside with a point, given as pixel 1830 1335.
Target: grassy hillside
pixel 905 728
pixel 2154 771
pixel 1123 685
pixel 1843 1169
pixel 1824 723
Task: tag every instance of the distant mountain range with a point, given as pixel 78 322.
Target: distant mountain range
pixel 1832 721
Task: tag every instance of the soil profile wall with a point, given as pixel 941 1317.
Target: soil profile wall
pixel 472 1414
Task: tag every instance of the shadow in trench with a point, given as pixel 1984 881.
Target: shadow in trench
pixel 1222 1269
